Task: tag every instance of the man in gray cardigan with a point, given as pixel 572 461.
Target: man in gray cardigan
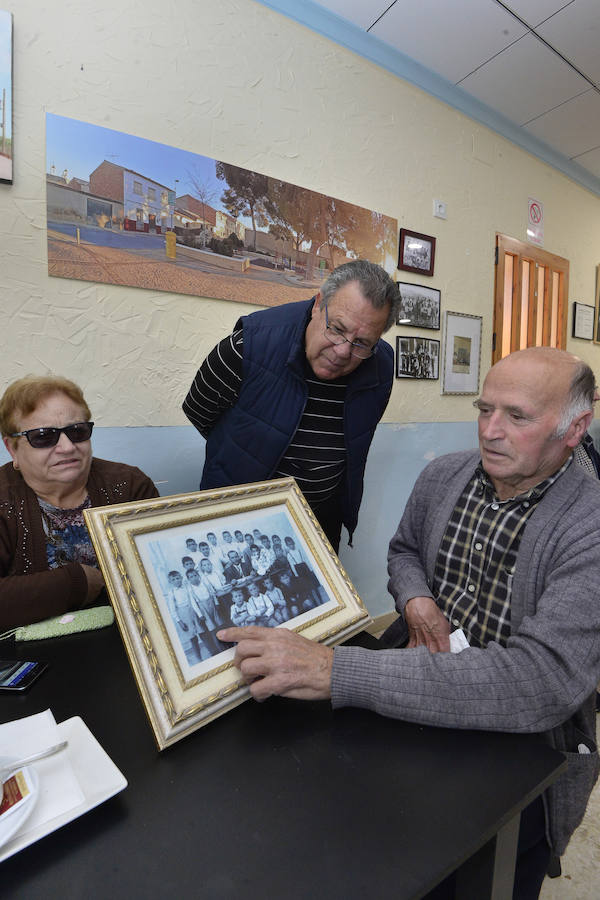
pixel 504 543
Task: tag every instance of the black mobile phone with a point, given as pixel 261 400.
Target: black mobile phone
pixel 19 674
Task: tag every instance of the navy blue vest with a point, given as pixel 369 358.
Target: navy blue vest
pixel 248 441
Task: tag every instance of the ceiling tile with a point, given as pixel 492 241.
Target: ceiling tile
pixel 535 11
pixel 572 128
pixel 452 39
pixel 525 81
pixel 576 33
pixel 362 12
pixel 481 46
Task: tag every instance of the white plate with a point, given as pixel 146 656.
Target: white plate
pixel 11 822
pixel 96 773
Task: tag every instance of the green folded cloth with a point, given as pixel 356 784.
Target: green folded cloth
pixel 68 623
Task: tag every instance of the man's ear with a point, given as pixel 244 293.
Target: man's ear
pixel 316 310
pixel 578 428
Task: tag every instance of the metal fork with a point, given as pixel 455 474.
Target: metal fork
pixel 19 763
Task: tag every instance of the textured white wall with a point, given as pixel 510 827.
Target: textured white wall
pixel 238 82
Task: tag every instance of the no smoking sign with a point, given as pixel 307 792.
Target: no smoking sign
pixel 535 221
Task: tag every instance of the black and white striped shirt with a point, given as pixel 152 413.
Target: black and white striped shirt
pixel 316 454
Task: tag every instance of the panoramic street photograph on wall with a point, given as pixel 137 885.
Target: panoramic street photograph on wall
pixel 124 210
pixel 6 166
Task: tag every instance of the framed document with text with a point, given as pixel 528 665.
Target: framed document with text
pixel 583 321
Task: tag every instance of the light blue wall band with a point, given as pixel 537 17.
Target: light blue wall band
pixel 173 458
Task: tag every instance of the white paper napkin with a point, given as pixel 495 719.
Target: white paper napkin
pixel 59 788
pixel 458 641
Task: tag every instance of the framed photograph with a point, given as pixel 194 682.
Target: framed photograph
pixel 419 306
pixel 597 312
pixel 462 354
pixel 6 98
pixel 417 357
pixel 583 321
pixel 108 179
pixel 416 252
pixel 180 568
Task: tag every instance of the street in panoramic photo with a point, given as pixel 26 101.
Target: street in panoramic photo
pixel 124 210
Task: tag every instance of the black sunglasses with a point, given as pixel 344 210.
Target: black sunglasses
pixel 42 438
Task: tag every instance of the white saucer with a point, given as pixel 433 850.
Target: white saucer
pixel 96 773
pixel 12 821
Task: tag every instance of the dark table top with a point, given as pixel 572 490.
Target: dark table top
pixel 278 799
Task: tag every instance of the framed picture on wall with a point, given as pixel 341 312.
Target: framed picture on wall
pixel 6 98
pixel 597 311
pixel 419 306
pixel 462 354
pixel 417 357
pixel 583 321
pixel 416 252
pixel 179 568
pixel 202 261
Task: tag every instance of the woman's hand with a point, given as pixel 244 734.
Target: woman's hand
pixel 95 583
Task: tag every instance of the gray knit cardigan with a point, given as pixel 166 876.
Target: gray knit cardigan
pixel 545 679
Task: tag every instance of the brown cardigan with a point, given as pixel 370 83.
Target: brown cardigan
pixel 29 590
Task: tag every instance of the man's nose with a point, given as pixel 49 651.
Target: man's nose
pixel 492 426
pixel 343 350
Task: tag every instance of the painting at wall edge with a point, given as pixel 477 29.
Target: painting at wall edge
pixel 6 97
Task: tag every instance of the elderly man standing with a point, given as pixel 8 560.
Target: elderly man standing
pixel 505 544
pixel 298 390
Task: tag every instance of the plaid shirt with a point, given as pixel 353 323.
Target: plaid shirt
pixel 583 455
pixel 477 557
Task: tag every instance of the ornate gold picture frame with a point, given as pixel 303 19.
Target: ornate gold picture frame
pixel 179 568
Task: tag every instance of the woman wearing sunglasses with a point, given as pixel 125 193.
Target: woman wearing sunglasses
pixel 47 562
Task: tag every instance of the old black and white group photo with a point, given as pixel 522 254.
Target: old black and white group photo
pixel 416 252
pixel 417 358
pixel 419 306
pixel 213 579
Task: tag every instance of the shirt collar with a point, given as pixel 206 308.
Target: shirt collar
pixel 532 495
